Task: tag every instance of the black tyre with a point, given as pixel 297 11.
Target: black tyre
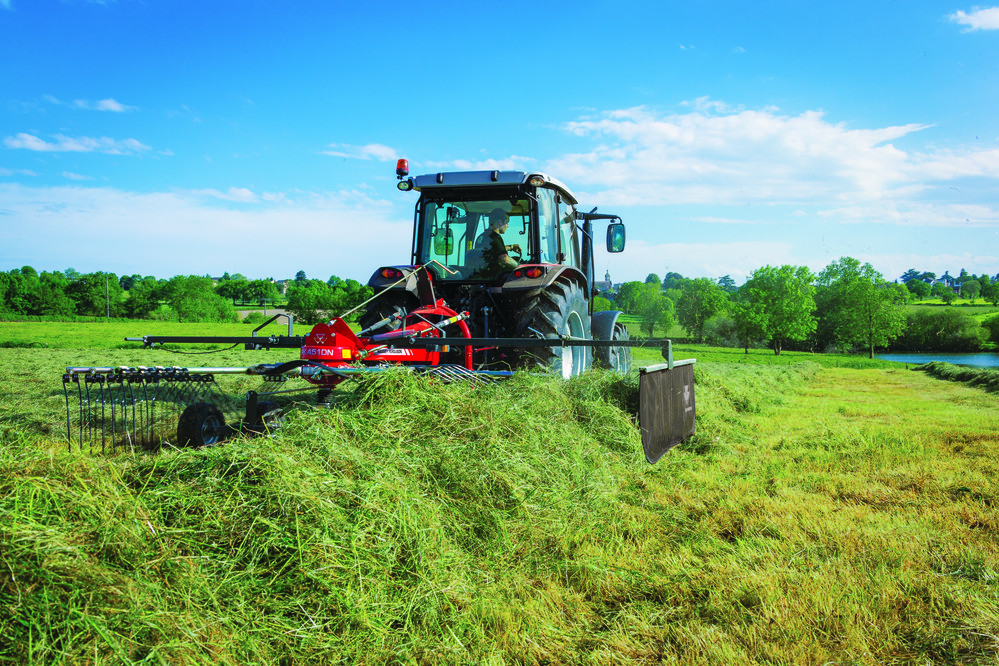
pixel 268 418
pixel 559 310
pixel 617 359
pixel 385 306
pixel 200 424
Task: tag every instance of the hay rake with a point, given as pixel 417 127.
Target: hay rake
pixel 146 407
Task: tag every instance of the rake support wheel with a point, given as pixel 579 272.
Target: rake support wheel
pixel 200 424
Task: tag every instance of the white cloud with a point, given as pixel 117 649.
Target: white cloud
pixel 978 19
pixel 715 154
pixel 103 105
pixel 234 194
pixel 17 172
pixel 82 144
pixel 7 4
pixel 371 151
pixel 75 176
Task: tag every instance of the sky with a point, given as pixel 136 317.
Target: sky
pixel 166 137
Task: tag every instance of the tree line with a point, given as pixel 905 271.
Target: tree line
pixel 187 298
pixel 848 306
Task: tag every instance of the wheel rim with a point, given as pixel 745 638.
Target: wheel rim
pixel 208 435
pixel 573 357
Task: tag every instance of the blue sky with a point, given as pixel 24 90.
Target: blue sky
pixel 170 137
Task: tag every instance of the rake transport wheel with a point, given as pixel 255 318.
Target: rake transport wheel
pixel 386 305
pixel 268 418
pixel 199 425
pixel 559 310
pixel 617 359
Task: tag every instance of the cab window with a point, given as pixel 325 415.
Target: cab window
pixel 548 229
pixel 456 234
pixel 568 237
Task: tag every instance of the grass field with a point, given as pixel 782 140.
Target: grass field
pixel 821 514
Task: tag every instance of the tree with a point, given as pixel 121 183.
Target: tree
pixel 143 297
pixel 312 302
pixel 911 274
pixel 261 291
pixel 941 329
pixel 749 318
pixel 193 299
pixel 628 296
pixel 234 288
pixel 971 289
pixel 673 280
pixel 990 293
pixel 652 278
pixel 53 300
pixel 862 306
pixel 601 304
pixel 727 283
pixel 654 308
pixel 96 294
pixel 701 299
pixel 783 301
pixel 992 326
pixel 918 288
pixel 300 278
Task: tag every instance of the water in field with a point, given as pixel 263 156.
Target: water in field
pixel 983 360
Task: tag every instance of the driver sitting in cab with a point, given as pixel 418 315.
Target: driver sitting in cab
pixel 496 252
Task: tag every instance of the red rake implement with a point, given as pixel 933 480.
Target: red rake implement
pixel 148 407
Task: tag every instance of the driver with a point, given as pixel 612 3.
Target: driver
pixel 496 252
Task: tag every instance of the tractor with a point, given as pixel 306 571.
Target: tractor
pixel 500 281
pixel 545 292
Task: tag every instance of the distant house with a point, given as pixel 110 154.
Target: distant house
pixel 604 286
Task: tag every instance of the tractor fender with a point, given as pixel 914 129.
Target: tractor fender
pixel 553 273
pixel 379 282
pixel 602 324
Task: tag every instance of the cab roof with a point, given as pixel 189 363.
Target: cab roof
pixel 455 179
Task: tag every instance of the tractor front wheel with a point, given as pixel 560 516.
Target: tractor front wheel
pixel 559 310
pixel 617 359
pixel 200 424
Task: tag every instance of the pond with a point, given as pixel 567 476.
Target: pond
pixel 982 360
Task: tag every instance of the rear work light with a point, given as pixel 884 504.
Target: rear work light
pixel 405 185
pixel 534 272
pixel 390 273
pixel 536 181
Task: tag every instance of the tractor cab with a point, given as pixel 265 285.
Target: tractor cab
pixel 467 221
pixel 457 232
pixel 501 246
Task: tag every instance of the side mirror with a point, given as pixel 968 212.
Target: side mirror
pixel 615 237
pixel 444 243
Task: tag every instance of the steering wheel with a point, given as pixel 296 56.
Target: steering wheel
pixel 514 252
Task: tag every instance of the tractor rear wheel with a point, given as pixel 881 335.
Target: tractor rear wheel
pixel 385 306
pixel 559 310
pixel 199 425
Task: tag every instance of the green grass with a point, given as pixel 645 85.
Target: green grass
pixel 983 378
pixel 819 515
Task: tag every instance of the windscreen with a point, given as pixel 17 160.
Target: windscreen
pixel 476 239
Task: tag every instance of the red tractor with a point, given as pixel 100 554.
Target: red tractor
pixel 510 249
